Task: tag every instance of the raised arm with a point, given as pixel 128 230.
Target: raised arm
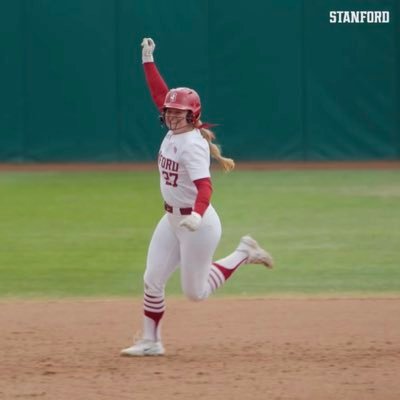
pixel 158 88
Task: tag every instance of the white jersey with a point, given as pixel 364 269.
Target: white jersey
pixel 182 159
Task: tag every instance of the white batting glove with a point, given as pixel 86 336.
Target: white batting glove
pixel 192 221
pixel 148 47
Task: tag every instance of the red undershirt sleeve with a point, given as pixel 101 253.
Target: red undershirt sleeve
pixel 204 191
pixel 158 88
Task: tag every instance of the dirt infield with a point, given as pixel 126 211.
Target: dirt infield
pixel 221 349
pixel 262 165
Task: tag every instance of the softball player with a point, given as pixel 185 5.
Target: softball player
pixel 189 232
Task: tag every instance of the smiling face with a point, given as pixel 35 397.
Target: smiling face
pixel 176 121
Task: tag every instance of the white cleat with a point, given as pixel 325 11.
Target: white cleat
pixel 144 347
pixel 256 254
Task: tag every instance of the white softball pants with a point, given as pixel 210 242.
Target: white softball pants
pixel 172 246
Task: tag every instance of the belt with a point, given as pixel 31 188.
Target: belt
pixel 182 211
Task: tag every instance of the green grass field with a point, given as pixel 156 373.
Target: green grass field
pixel 86 234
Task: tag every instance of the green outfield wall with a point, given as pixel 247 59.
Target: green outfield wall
pixel 281 81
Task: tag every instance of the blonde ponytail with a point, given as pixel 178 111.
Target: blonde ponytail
pixel 227 163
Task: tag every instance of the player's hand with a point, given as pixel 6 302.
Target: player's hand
pixel 148 47
pixel 192 221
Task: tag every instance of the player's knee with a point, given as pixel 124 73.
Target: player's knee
pixel 195 295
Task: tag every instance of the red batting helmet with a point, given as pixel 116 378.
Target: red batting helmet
pixel 184 99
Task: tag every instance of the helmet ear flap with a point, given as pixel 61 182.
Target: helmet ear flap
pixel 190 117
